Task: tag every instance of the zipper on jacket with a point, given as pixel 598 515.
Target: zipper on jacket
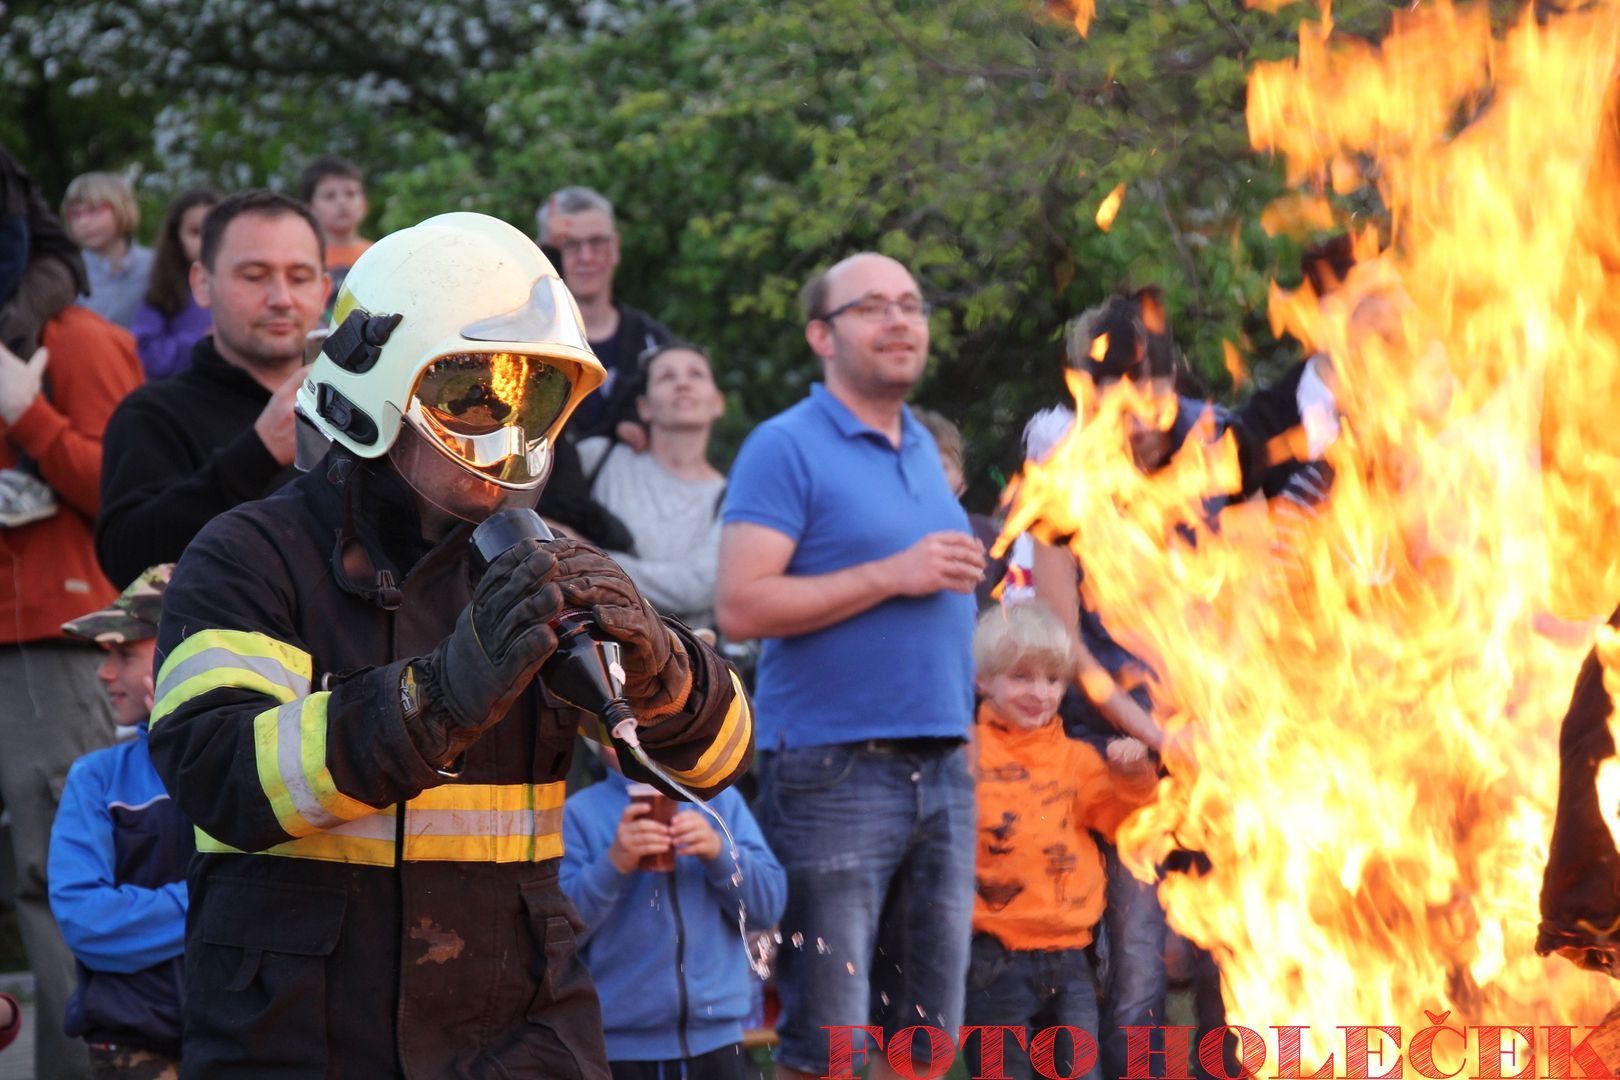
pixel 680 965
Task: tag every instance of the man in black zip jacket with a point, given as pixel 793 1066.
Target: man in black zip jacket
pixel 179 452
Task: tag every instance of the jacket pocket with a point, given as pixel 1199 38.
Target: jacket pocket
pixel 258 983
pixel 564 1036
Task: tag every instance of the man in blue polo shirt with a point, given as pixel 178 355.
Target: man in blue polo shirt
pixel 845 548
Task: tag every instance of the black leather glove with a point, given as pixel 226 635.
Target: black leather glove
pixel 658 673
pixel 501 639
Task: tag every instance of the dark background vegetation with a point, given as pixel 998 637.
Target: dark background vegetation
pixel 746 143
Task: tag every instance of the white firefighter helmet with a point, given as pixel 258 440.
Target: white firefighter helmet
pixel 456 350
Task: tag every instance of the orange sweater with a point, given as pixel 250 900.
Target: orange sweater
pixel 343 256
pixel 1040 874
pixel 48 570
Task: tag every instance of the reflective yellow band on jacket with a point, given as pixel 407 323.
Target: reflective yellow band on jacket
pixel 210 659
pixel 368 841
pixel 488 823
pixel 725 753
pixel 498 823
pixel 289 744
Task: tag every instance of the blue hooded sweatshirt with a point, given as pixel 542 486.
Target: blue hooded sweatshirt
pixel 117 869
pixel 663 948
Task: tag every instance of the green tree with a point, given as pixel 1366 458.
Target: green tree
pixel 746 143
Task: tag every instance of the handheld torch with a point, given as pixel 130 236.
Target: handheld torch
pixel 585 671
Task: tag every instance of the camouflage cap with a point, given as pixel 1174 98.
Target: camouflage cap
pixel 132 617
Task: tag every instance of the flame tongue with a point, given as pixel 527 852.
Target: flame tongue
pixel 1377 688
pixel 509 375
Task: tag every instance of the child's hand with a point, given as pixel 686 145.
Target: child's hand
pixel 693 835
pixel 638 835
pixel 1129 759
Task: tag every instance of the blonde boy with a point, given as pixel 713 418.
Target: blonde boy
pixel 101 215
pixel 1040 874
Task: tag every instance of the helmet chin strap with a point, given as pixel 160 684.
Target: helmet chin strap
pixel 310 443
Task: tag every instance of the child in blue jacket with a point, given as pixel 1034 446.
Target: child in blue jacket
pixel 664 948
pixel 117 867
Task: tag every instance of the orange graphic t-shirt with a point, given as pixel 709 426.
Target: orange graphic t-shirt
pixel 1040 874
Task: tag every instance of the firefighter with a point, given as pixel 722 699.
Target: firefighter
pixel 352 717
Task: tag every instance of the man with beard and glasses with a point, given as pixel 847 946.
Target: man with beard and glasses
pixel 182 451
pixel 844 547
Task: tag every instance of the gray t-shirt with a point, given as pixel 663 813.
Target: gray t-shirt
pixel 115 295
pixel 675 522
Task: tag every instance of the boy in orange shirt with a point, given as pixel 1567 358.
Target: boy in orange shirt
pixel 334 189
pixel 1040 873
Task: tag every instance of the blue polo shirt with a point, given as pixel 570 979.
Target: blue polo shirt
pixel 845 495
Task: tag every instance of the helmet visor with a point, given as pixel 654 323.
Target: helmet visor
pixel 493 412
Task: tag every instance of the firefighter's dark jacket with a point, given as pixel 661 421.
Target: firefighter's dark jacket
pixel 354 912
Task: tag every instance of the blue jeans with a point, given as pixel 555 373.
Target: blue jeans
pixel 1134 980
pixel 878 842
pixel 1032 990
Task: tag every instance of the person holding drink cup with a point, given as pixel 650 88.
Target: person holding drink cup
pixel 649 806
pixel 661 893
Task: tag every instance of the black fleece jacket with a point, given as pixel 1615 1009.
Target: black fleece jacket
pixel 178 453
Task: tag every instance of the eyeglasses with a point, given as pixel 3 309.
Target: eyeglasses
pixel 586 245
pixel 871 308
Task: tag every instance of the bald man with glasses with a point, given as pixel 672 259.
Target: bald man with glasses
pixel 845 549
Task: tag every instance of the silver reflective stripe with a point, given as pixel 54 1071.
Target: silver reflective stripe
pixel 378 826
pixel 290 760
pixel 209 659
pixel 483 822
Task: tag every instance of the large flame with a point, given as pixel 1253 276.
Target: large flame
pixel 509 378
pixel 1376 692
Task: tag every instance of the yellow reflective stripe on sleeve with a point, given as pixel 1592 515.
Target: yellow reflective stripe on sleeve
pixel 498 823
pixel 472 823
pixel 211 659
pixel 725 752
pixel 367 841
pixel 289 746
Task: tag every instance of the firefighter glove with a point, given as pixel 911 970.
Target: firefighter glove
pixel 501 639
pixel 658 673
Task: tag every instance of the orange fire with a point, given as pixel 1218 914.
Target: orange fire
pixel 1108 210
pixel 1084 12
pixel 509 376
pixel 1365 714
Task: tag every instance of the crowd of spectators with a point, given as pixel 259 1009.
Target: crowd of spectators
pixel 941 762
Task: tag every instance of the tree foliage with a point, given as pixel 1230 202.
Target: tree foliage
pixel 747 143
